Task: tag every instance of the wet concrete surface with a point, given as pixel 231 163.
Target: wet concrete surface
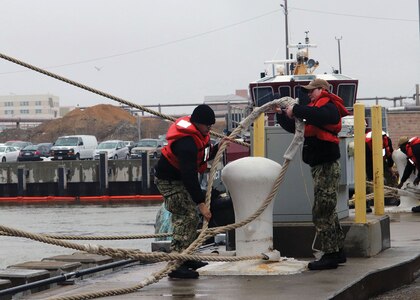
pixel 359 278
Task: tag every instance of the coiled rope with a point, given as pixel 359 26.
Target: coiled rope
pixel 389 191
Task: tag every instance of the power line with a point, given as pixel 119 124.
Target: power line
pixel 207 33
pixel 354 16
pixel 158 45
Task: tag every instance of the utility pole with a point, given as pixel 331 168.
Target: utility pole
pixel 139 126
pixel 286 28
pixel 339 51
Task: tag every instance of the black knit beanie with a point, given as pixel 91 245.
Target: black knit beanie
pixel 203 114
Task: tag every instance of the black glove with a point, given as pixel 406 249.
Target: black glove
pixel 400 185
pixel 416 181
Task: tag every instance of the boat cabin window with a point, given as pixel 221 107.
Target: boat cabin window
pixel 262 95
pixel 284 91
pixel 347 92
pixel 302 95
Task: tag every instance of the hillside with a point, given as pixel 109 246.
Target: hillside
pixel 104 121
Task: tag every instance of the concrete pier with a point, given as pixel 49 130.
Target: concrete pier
pixel 362 240
pixel 54 267
pixel 77 178
pixel 360 278
pixel 49 268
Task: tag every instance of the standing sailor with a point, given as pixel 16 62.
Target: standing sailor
pixel 184 157
pixel 321 152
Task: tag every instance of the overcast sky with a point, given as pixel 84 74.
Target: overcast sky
pixel 178 51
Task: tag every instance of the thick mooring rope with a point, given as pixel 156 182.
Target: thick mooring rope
pixel 186 255
pixel 101 237
pixel 204 234
pixel 388 192
pixel 103 94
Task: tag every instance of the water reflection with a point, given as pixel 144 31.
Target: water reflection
pixel 72 220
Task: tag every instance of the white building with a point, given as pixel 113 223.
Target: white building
pixel 29 109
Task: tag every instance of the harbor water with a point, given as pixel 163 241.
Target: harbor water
pixel 84 220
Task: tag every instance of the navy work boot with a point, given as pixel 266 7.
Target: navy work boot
pixel 194 264
pixel 328 261
pixel 340 256
pixel 324 263
pixel 416 209
pixel 183 273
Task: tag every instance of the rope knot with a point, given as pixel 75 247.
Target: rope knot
pixel 91 248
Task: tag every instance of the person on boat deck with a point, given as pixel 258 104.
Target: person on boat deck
pixel 321 152
pixel 387 149
pixel 411 148
pixel 182 159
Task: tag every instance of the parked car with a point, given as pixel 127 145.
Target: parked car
pixel 152 146
pixel 8 153
pixel 74 147
pixel 35 152
pixel 116 149
pixel 18 144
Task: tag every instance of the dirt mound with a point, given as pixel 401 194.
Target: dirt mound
pixel 104 121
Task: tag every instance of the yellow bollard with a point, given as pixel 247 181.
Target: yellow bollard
pixel 359 163
pixel 258 145
pixel 378 162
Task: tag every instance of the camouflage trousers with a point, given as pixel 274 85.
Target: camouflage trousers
pixel 184 213
pixel 329 232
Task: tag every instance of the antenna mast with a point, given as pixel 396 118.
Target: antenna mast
pixel 286 28
pixel 339 52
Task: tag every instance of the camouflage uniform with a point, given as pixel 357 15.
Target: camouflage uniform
pixel 325 218
pixel 184 213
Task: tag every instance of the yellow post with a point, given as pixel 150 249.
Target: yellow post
pixel 259 139
pixel 378 162
pixel 359 163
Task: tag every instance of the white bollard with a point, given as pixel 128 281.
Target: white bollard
pixel 409 190
pixel 249 181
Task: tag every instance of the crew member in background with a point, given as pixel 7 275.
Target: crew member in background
pixel 177 170
pixel 321 151
pixel 411 148
pixel 390 179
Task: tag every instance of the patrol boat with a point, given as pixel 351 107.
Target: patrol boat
pixel 302 67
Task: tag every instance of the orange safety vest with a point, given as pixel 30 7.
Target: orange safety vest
pixel 413 141
pixel 182 128
pixel 385 143
pixel 327 132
